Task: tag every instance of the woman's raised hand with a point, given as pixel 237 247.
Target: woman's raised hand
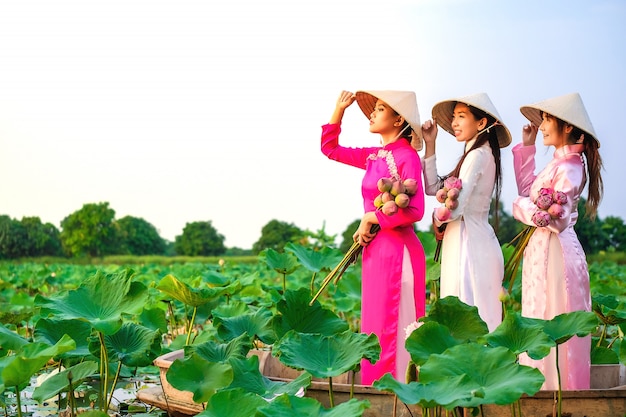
pixel 529 134
pixel 429 131
pixel 346 98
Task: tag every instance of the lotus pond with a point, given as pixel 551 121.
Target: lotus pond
pixel 101 326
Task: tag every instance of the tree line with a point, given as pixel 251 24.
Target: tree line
pixel 93 231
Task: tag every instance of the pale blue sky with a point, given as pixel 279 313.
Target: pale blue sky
pixel 181 111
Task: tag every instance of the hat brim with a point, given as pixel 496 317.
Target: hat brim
pixel 533 114
pixel 442 113
pixel 367 101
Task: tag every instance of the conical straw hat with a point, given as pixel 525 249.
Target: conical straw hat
pixel 442 113
pixel 569 108
pixel 403 102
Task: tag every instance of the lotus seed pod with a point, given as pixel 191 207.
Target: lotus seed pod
pixel 410 185
pixel 387 197
pixel 442 213
pixel 452 204
pixel 378 201
pixel 453 193
pixel 402 200
pixel 397 188
pixel 441 195
pixel 556 211
pixel 384 184
pixel 390 208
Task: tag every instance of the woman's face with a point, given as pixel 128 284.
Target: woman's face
pixel 464 125
pixel 383 119
pixel 552 134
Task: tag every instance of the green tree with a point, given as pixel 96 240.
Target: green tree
pixel 615 233
pixel 13 238
pixel 139 237
pixel 275 235
pixel 590 233
pixel 508 227
pixel 90 231
pixel 199 239
pixel 346 236
pixel 42 239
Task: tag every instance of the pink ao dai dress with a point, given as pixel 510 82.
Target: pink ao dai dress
pixel 555 278
pixel 393 289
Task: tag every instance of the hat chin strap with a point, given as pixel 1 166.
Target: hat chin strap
pixel 496 123
pixel 400 133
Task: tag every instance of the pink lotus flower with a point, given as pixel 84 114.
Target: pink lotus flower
pixel 559 197
pixel 386 196
pixel 384 184
pixel 546 190
pixel 390 208
pixel 544 201
pixel 441 195
pixel 402 200
pixel 442 213
pixel 410 185
pixel 452 204
pixel 541 218
pixel 453 193
pixel 556 211
pixel 452 182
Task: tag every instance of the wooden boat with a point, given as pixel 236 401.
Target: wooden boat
pixel 607 398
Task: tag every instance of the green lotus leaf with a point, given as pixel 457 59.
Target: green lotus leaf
pixel 193 297
pixel 427 395
pixel 213 351
pixel 601 355
pixel 567 325
pixel 289 406
pixel 326 356
pixel 315 260
pixel 222 404
pixel 609 309
pixel 9 340
pixel 296 314
pixel 248 377
pixel 283 263
pixel 495 376
pixel 521 334
pixel 51 330
pixel 200 377
pixel 622 352
pixel 60 382
pixel 154 318
pixel 431 337
pixel 94 413
pixel 100 300
pixel 257 324
pixel 463 320
pixel 19 368
pixel 133 345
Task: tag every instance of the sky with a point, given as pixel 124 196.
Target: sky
pixel 183 111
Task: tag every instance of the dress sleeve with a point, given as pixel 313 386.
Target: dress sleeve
pixel 470 175
pixel 524 166
pixel 567 177
pixel 356 157
pixel 409 166
pixel 432 182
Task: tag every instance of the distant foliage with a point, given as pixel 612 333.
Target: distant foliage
pixel 28 238
pixel 199 239
pixel 138 237
pixel 275 235
pixel 90 231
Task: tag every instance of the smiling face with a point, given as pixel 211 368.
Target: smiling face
pixel 384 120
pixel 464 124
pixel 553 134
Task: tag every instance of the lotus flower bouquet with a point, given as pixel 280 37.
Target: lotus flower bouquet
pixel 549 207
pixel 394 194
pixel 448 196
